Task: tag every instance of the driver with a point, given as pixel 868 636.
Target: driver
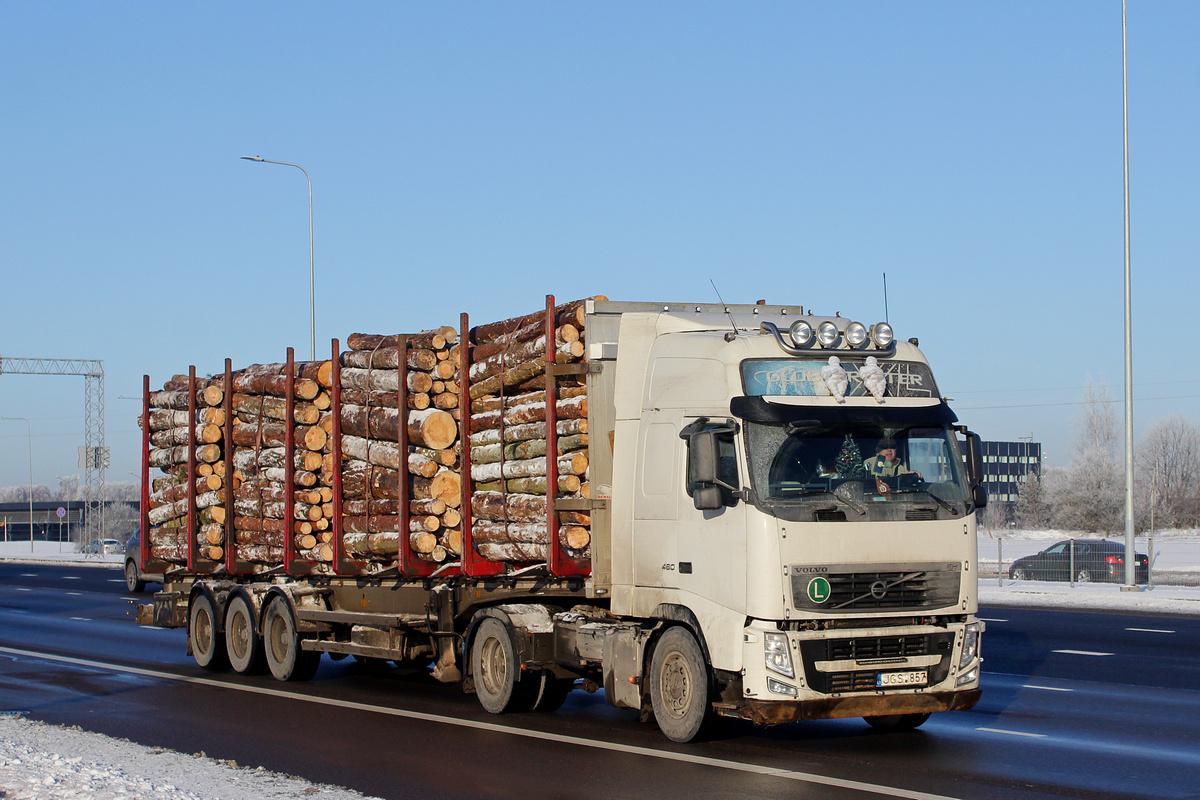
pixel 884 464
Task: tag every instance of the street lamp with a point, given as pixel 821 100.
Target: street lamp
pixel 312 293
pixel 29 438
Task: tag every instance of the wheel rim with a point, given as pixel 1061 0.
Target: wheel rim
pixel 1083 577
pixel 130 575
pixel 239 634
pixel 676 685
pixel 278 638
pixel 1018 575
pixel 493 666
pixel 202 631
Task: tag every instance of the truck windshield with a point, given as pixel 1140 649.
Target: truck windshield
pixel 869 468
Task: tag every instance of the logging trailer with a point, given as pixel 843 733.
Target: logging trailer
pixel 741 556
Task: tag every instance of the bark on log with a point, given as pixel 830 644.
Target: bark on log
pixel 432 339
pixel 571 464
pixel 258 405
pixel 162 419
pixel 178 491
pixel 566 314
pixel 167 458
pixel 271 434
pixel 211 395
pixel 510 507
pixel 528 431
pixel 567 484
pixel 251 460
pixel 531 448
pixel 567 408
pixel 495 403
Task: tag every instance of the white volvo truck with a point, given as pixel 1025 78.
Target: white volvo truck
pixel 750 555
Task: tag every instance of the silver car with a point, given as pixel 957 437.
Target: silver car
pixel 135 577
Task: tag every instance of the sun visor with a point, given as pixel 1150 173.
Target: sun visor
pixel 758 409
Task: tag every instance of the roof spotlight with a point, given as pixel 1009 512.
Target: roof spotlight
pixel 801 333
pixel 827 334
pixel 881 335
pixel 856 334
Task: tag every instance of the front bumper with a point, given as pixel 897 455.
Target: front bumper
pixel 774 712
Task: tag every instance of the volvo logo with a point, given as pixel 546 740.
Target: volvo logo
pixel 879 590
pixel 811 570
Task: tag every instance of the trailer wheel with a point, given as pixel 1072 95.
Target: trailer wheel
pixel 679 685
pixel 208 646
pixel 897 722
pixel 500 684
pixel 242 642
pixel 288 662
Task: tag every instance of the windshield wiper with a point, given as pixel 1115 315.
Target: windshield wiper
pixel 879 592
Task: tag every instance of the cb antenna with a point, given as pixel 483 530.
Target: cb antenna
pixel 729 337
pixel 885 309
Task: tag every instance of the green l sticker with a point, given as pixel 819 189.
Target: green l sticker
pixel 818 590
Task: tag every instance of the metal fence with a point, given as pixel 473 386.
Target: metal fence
pixel 1174 558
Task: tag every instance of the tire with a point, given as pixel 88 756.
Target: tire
pixel 679 686
pixel 281 644
pixel 242 643
pixel 1019 574
pixel 500 684
pixel 897 722
pixel 132 582
pixel 551 692
pixel 207 643
pixel 1083 576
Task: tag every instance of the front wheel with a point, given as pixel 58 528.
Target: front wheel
pixel 499 683
pixel 679 685
pixel 1083 576
pixel 132 582
pixel 287 660
pixel 897 722
pixel 208 646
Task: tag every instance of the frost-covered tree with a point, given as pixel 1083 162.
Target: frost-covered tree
pixel 1168 469
pixel 1090 494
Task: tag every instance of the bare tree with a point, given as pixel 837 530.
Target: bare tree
pixel 1168 460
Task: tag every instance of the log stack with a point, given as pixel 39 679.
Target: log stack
pixel 510 497
pixel 379 374
pixel 259 434
pixel 171 426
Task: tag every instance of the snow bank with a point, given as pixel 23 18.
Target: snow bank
pixel 45 762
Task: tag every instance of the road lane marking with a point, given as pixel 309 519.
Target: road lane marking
pixel 73 594
pixel 23 589
pixel 1148 630
pixel 71 578
pixel 81 619
pixel 1081 653
pixel 1013 733
pixel 1047 688
pixel 666 755
pixel 116 580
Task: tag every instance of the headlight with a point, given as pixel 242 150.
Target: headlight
pixel 856 334
pixel 970 650
pixel 779 658
pixel 801 333
pixel 827 334
pixel 881 335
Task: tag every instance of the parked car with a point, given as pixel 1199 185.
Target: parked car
pixel 1093 560
pixel 135 577
pixel 106 547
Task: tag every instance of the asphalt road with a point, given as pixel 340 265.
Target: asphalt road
pixel 1074 705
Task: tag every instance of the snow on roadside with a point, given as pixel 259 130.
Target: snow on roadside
pixel 48 762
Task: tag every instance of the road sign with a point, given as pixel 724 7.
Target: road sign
pixel 62 512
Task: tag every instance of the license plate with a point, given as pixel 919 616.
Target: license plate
pixel 916 678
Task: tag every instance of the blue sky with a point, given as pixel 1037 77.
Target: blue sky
pixel 478 156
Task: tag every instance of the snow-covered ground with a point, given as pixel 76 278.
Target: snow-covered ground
pixel 42 762
pixel 49 762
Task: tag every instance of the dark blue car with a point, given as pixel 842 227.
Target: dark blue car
pixel 1091 559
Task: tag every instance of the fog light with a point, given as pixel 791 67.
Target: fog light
pixel 801 333
pixel 881 335
pixel 780 688
pixel 967 677
pixel 827 334
pixel 856 334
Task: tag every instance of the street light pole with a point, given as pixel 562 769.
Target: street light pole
pixel 1130 573
pixel 312 285
pixel 29 439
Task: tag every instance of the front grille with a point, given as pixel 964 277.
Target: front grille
pixel 920 514
pixel 829 515
pixel 878 647
pixel 867 648
pixel 881 587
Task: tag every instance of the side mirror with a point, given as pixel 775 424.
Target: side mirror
pixel 704 464
pixel 979 495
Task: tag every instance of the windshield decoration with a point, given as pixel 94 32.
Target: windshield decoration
pixel 793 378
